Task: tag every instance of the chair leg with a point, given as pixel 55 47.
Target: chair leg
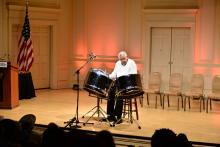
pixel 207 104
pixel 189 102
pixel 168 100
pixel 200 100
pixel 147 99
pixel 141 98
pixel 136 108
pixel 210 102
pixel 124 107
pixel 160 100
pixel 185 103
pixel 182 101
pixel 178 107
pixel 129 109
pixel 156 102
pixel 163 101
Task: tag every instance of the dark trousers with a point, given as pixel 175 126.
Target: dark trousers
pixel 1 90
pixel 114 105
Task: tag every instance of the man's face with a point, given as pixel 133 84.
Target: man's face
pixel 124 60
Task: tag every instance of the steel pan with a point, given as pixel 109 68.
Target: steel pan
pixel 97 82
pixel 129 86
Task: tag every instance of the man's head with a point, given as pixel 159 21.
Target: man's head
pixel 123 57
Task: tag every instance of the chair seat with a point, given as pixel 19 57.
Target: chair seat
pixel 193 94
pixel 153 91
pixel 214 96
pixel 172 93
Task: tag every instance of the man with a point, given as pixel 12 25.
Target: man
pixel 124 66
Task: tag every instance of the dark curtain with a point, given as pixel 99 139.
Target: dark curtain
pixel 26 86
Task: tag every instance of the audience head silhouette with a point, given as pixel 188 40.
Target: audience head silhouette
pixel 163 138
pixel 29 137
pixel 53 136
pixel 27 122
pixel 183 141
pixel 105 138
pixel 10 133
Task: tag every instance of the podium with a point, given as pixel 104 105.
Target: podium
pixel 8 85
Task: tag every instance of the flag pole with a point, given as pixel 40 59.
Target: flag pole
pixel 26 6
pixel 27 2
pixel 25 60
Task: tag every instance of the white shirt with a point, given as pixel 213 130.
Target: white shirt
pixel 122 70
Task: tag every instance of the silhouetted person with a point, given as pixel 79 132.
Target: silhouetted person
pixel 53 136
pixel 105 139
pixel 10 133
pixel 29 137
pixel 183 141
pixel 79 138
pixel 163 138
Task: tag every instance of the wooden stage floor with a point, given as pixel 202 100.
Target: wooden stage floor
pixel 60 105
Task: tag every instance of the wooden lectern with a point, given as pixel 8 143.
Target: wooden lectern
pixel 9 86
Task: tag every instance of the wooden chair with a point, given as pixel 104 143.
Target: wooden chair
pixel 175 88
pixel 215 95
pixel 196 91
pixel 154 85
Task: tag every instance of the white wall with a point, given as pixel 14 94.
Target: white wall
pixel 65 39
pixel 206 53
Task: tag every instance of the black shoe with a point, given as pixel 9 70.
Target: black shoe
pixel 111 119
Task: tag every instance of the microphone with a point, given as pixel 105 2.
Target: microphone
pixel 92 56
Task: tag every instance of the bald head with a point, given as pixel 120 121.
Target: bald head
pixel 123 57
pixel 122 54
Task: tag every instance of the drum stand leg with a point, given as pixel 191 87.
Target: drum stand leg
pixel 99 111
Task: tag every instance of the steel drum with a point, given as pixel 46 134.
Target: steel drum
pixel 129 86
pixel 97 82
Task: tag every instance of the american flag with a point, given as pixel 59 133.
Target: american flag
pixel 25 56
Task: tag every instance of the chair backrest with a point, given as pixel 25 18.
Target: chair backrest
pixel 175 82
pixel 197 83
pixel 154 81
pixel 216 84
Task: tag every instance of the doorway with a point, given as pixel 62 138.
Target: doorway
pixel 170 52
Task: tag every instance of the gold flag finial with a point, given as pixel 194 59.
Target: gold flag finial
pixel 27 2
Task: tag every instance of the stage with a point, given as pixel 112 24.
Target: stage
pixel 60 105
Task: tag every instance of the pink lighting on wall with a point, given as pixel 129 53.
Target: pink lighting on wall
pixel 200 70
pixel 105 26
pixel 215 71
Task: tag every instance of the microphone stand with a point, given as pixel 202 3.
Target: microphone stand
pixel 75 119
